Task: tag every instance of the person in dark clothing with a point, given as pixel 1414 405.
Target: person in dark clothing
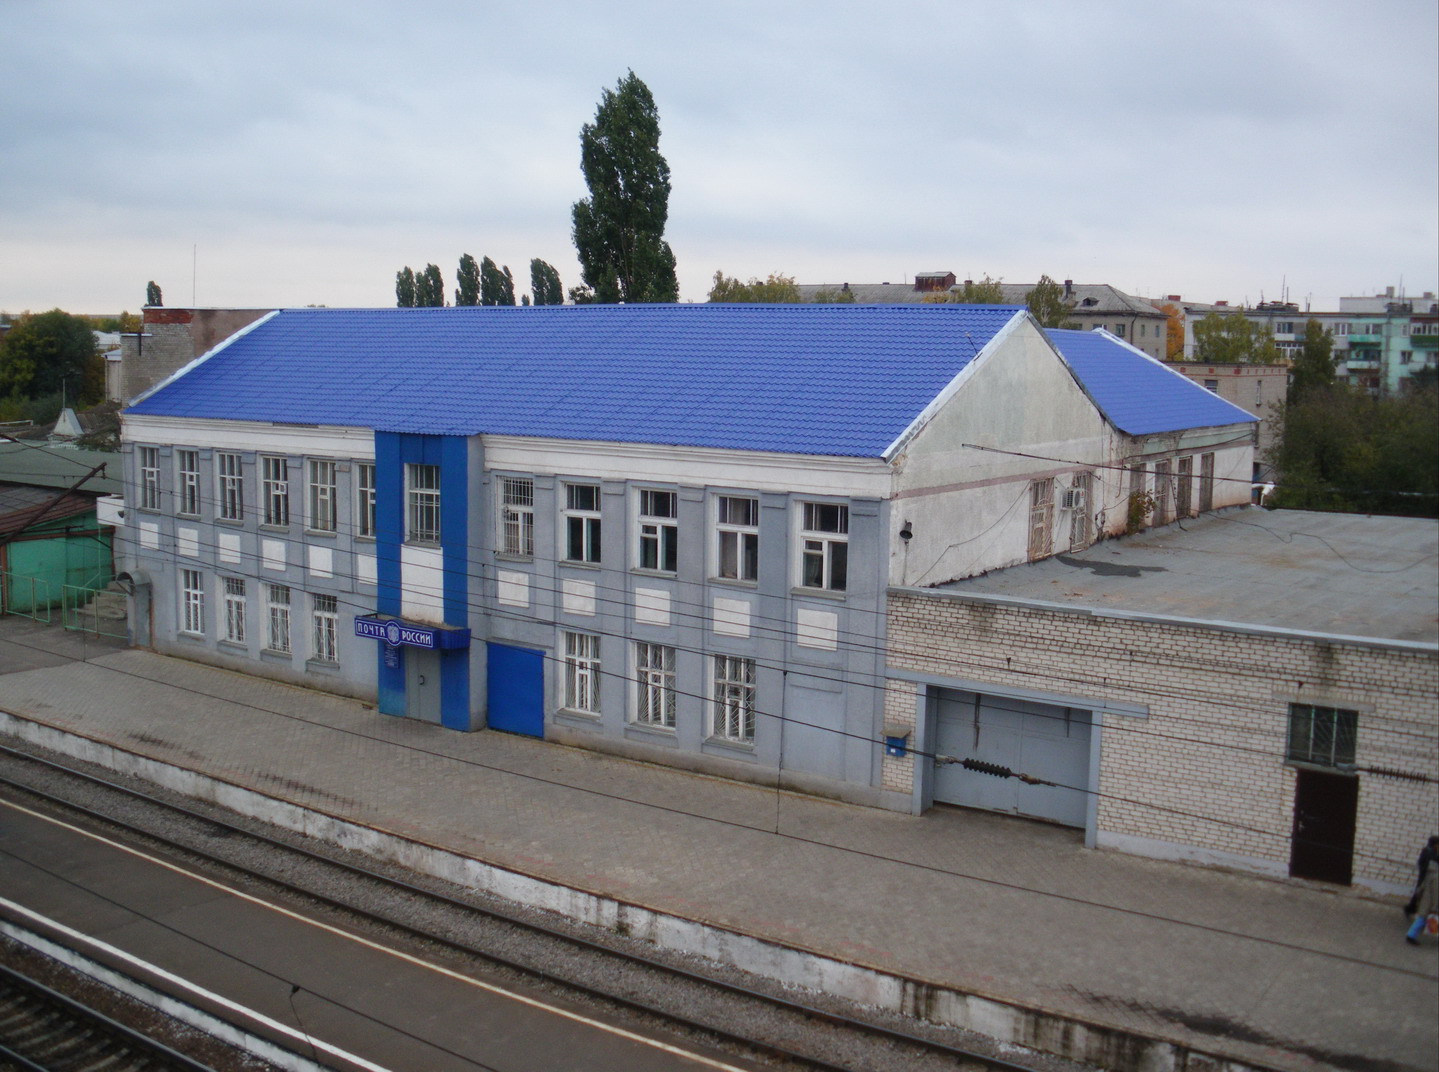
pixel 1428 853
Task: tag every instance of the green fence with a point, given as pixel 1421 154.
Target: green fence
pixel 25 595
pixel 97 611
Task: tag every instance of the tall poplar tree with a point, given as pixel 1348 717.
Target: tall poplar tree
pixel 468 280
pixel 545 283
pixel 1314 365
pixel 405 288
pixel 152 294
pixel 619 228
pixel 430 288
pixel 497 285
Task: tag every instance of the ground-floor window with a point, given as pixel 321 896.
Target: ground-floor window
pixel 235 610
pixel 325 619
pixel 655 678
pixel 192 601
pixel 582 672
pixel 734 698
pixel 1322 735
pixel 277 605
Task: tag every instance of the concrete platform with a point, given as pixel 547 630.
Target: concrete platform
pixel 1008 927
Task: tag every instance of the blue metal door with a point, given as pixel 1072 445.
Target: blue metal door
pixel 516 690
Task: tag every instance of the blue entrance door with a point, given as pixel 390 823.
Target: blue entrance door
pixel 516 689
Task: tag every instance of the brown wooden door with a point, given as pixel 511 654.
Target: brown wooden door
pixel 1322 846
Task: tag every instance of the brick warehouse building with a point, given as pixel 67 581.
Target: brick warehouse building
pixel 1229 692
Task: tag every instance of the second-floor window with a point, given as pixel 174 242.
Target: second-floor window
pixel 232 486
pixel 149 478
pixel 737 524
pixel 365 500
pixel 321 506
pixel 582 522
pixel 517 509
pixel 659 532
pixel 824 546
pixel 188 483
pixel 274 490
pixel 423 498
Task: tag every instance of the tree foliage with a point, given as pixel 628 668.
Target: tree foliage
pixel 1173 332
pixel 829 296
pixel 405 290
pixel 1314 367
pixel 467 279
pixel 43 352
pixel 429 288
pixel 497 285
pixel 619 229
pixel 545 283
pixel 778 289
pixel 985 292
pixel 1232 338
pixel 152 294
pixel 1047 303
pixel 1342 450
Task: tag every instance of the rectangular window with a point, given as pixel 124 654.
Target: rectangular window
pixel 659 534
pixel 188 484
pixel 1041 518
pixel 517 514
pixel 734 698
pixel 322 516
pixel 149 478
pixel 274 490
pixel 824 546
pixel 192 601
pixel 1341 329
pixel 1119 330
pixel 1322 735
pixel 582 522
pixel 582 672
pixel 738 533
pixel 1211 385
pixel 655 677
pixel 1184 492
pixel 423 497
pixel 1285 327
pixel 277 607
pixel 232 486
pixel 365 500
pixel 1406 356
pixel 1080 527
pixel 235 610
pixel 325 622
pixel 1206 483
pixel 1161 492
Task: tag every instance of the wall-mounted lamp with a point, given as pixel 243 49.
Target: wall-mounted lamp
pixel 907 533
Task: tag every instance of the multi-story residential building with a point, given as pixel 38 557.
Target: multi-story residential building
pixel 1094 305
pixel 664 531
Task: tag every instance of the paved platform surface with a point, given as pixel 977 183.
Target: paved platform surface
pixel 1259 970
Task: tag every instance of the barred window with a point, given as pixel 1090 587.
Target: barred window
pixel 235 610
pixel 277 604
pixel 655 676
pixel 734 698
pixel 1322 735
pixel 192 600
pixel 582 672
pixel 517 508
pixel 326 628
pixel 424 503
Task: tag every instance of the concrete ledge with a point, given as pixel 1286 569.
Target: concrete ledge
pixel 1114 1048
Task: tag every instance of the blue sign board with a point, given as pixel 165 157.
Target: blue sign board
pixel 395 633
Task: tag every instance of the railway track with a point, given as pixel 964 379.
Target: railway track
pixel 739 1015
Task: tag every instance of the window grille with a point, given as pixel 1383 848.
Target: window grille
pixel 582 672
pixel 1325 736
pixel 734 698
pixel 517 508
pixel 424 503
pixel 1041 518
pixel 655 676
pixel 235 610
pixel 192 598
pixel 326 623
pixel 277 634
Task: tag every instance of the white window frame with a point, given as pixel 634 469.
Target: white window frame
pixel 517 516
pixel 187 483
pixel 655 700
pixel 149 463
pixel 823 549
pixel 581 531
pixel 275 490
pixel 658 531
pixel 733 712
pixel 737 537
pixel 233 591
pixel 192 602
pixel 278 598
pixel 422 503
pixel 325 628
pixel 365 500
pixel 230 484
pixel 321 498
pixel 582 673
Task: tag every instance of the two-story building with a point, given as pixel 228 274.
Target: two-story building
pixel 664 531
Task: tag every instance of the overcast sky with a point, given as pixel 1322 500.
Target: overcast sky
pixel 299 153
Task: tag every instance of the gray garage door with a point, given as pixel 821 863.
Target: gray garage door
pixel 1033 738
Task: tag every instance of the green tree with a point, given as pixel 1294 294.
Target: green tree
pixel 986 292
pixel 1314 367
pixel 777 289
pixel 1232 338
pixel 545 283
pixel 468 278
pixel 405 289
pixel 827 296
pixel 497 286
pixel 1047 305
pixel 43 353
pixel 430 288
pixel 619 229
pixel 581 295
pixel 1343 451
pixel 152 294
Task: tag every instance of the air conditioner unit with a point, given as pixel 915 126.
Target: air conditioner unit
pixel 1073 499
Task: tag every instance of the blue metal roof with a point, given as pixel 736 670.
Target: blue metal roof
pixel 1139 395
pixel 808 379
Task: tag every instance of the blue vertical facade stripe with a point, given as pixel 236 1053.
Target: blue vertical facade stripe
pixel 393 451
